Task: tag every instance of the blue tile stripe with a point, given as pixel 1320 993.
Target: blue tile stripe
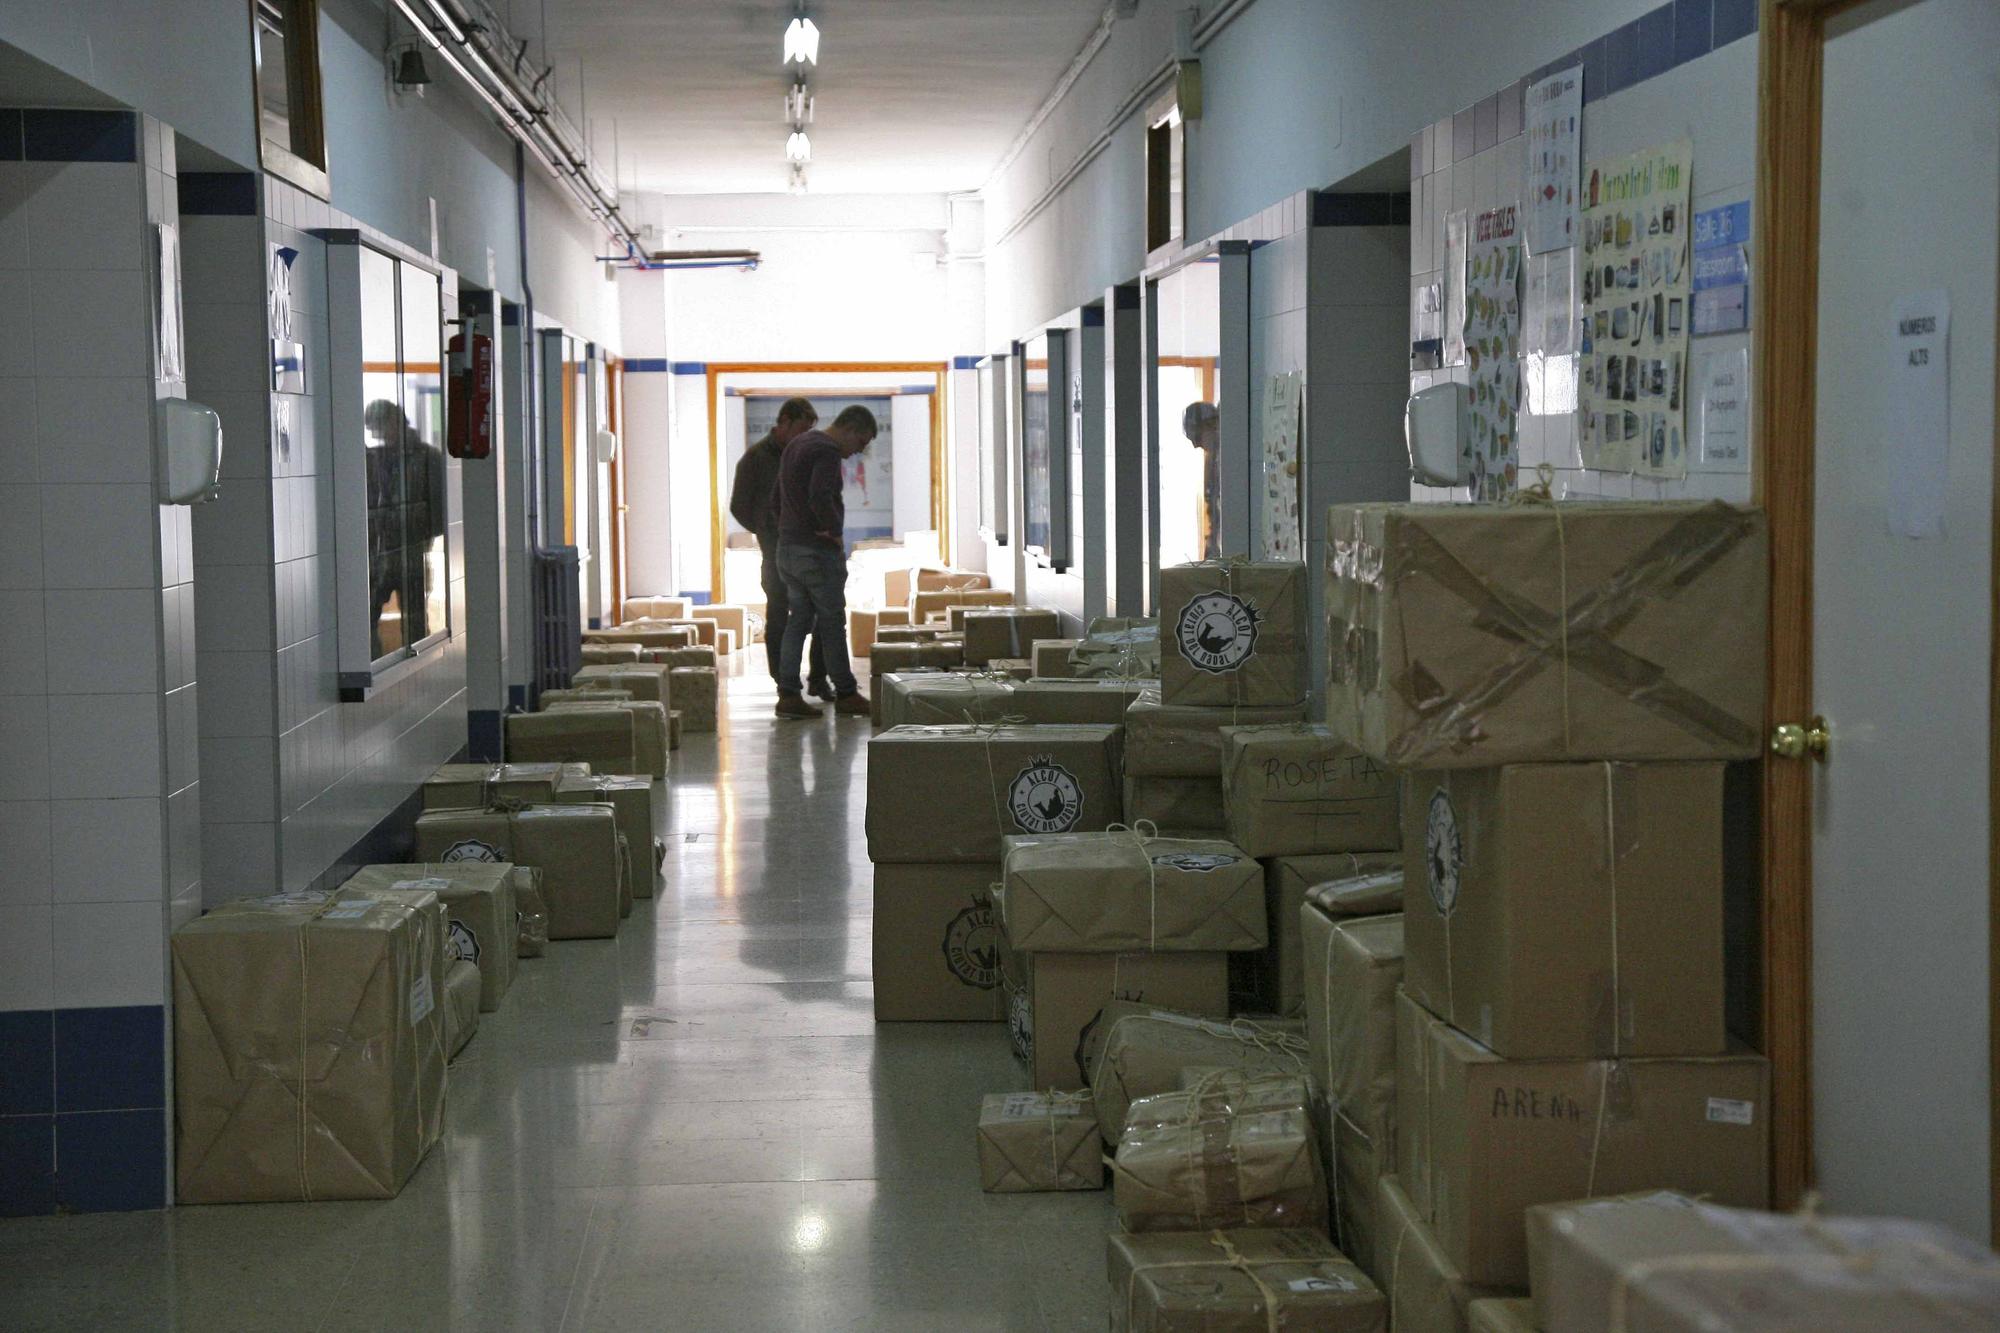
pixel 83 1110
pixel 1655 42
pixel 690 367
pixel 219 194
pixel 10 135
pixel 74 135
pixel 965 362
pixel 645 365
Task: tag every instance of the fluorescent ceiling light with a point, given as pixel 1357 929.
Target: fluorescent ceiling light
pixel 799 105
pixel 798 148
pixel 802 42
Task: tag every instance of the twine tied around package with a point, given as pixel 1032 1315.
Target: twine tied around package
pixel 1611 857
pixel 1144 832
pixel 1231 1256
pixel 1058 1101
pixel 1542 493
pixel 990 731
pixel 1227 564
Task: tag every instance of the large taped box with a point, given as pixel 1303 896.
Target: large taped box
pixel 309 1046
pixel 1051 658
pixel 863 625
pixel 694 691
pixel 1178 805
pixel 1664 1263
pixel 644 680
pixel 654 608
pixel 1120 891
pixel 886 634
pixel 1035 1141
pixel 1480 1139
pixel 632 799
pixel 576 847
pixel 728 618
pixel 1468 636
pixel 647 634
pixel 929 699
pixel 1053 999
pixel 900 585
pixel 551 698
pixel 939 601
pixel 1185 740
pixel 1118 646
pixel 482 913
pixel 878 690
pixel 1235 1150
pixel 1427 1293
pixel 1137 1050
pixel 533 911
pixel 1014 668
pixel 1007 632
pixel 694 655
pixel 1563 910
pixel 951 793
pixel 651 737
pixel 942 653
pixel 604 738
pixel 460 1005
pixel 726 641
pixel 1275 978
pixel 936 944
pixel 704 631
pixel 1501 1315
pixel 1101 702
pixel 1233 632
pixel 476 786
pixel 1252 1280
pixel 1296 789
pixel 611 654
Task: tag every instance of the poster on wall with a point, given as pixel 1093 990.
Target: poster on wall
pixel 1553 113
pixel 1284 471
pixel 169 363
pixel 1720 295
pixel 1493 352
pixel 1454 289
pixel 1635 312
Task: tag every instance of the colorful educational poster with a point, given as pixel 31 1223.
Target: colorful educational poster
pixel 1284 470
pixel 1493 352
pixel 1633 387
pixel 1720 296
pixel 1553 113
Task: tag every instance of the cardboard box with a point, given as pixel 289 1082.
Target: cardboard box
pixel 940 653
pixel 1569 909
pixel 1427 1293
pixel 1275 979
pixel 728 618
pixel 1116 892
pixel 1097 702
pixel 938 601
pixel 861 629
pixel 1034 1141
pixel 644 680
pixel 693 655
pixel 1480 1139
pixel 534 912
pixel 673 729
pixel 878 690
pixel 726 641
pixel 1494 1315
pixel 1233 632
pixel 1469 636
pixel 1137 1050
pixel 611 654
pixel 704 632
pixel 309 1056
pixel 604 738
pixel 1054 998
pixel 910 633
pixel 1050 658
pixel 654 608
pixel 482 913
pixel 694 691
pixel 1185 741
pixel 942 698
pixel 647 634
pixel 1227 1282
pixel 632 799
pixel 651 737
pixel 461 1005
pixel 937 945
pixel 1664 1263
pixel 949 580
pixel 1178 805
pixel 951 793
pixel 1235 1151
pixel 550 698
pixel 1296 789
pixel 1118 646
pixel 476 786
pixel 1006 632
pixel 1016 668
pixel 576 847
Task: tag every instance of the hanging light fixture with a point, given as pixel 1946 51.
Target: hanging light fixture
pixel 798 148
pixel 802 42
pixel 799 105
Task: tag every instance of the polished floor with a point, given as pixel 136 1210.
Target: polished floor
pixel 696 1126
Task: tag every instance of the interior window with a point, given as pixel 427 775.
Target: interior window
pixel 1035 459
pixel 1185 380
pixel 403 415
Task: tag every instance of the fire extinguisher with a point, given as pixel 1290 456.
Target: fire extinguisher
pixel 470 434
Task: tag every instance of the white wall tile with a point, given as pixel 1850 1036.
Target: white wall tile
pixel 108 851
pixel 24 853
pixel 24 740
pixel 183 710
pixel 23 660
pixel 15 183
pixel 110 954
pixel 237 860
pixel 20 464
pixel 20 536
pixel 244 679
pixel 97 641
pixel 231 349
pixel 86 215
pixel 100 536
pixel 184 839
pixel 27 958
pixel 95 430
pixel 235 527
pixel 176 545
pixel 233 607
pixel 105 745
pixel 239 777
pixel 17 331
pixel 92 323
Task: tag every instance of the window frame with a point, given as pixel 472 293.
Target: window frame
pixel 303 161
pixel 995 438
pixel 1058 553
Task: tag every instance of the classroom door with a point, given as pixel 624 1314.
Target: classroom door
pixel 1902 610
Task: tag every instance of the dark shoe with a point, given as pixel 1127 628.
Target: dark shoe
pixel 819 689
pixel 791 705
pixel 851 705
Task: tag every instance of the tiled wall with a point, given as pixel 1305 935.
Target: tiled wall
pixel 1683 70
pixel 99 805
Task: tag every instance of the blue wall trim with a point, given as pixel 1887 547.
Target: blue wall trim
pixel 697 596
pixel 83 1119
pixel 917 388
pixel 645 365
pixel 690 367
pixel 1360 210
pixel 10 135
pixel 73 135
pixel 966 362
pixel 482 729
pixel 218 193
pixel 1654 43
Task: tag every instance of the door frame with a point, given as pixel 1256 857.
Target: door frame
pixel 1790 68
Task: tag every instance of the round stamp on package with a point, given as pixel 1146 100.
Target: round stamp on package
pixel 472 849
pixel 1444 852
pixel 972 947
pixel 460 942
pixel 1045 797
pixel 1217 632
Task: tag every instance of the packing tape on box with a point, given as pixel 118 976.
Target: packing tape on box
pixel 1230 1256
pixel 1543 493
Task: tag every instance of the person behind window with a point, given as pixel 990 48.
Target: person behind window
pixel 406 516
pixel 1202 425
pixel 812 556
pixel 753 502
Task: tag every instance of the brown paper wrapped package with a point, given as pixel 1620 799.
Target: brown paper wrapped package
pixel 951 793
pixel 651 740
pixel 878 690
pixel 1234 1151
pixel 1034 1141
pixel 1467 636
pixel 939 652
pixel 1138 1050
pixel 1054 999
pixel 604 738
pixel 1245 1281
pixel 939 601
pixel 692 656
pixel 644 680
pixel 694 694
pixel 646 634
pixel 912 699
pixel 887 634
pixel 946 580
pixel 1185 740
pixel 309 1056
pixel 644 608
pixel 482 913
pixel 1294 790
pixel 1233 632
pixel 476 786
pixel 1663 1263
pixel 1569 910
pixel 726 617
pixel 576 847
pixel 1014 668
pixel 461 1005
pixel 1179 805
pixel 1118 646
pixel 610 654
pixel 632 798
pixel 1427 1293
pixel 1050 658
pixel 1006 632
pixel 534 913
pixel 1100 702
pixel 936 944
pixel 1275 979
pixel 1497 1315
pixel 1128 889
pixel 586 695
pixel 1479 1140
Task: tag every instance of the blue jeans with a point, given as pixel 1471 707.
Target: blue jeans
pixel 816 589
pixel 778 614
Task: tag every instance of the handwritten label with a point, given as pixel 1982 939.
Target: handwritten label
pixel 1520 1103
pixel 1730 1111
pixel 1321 769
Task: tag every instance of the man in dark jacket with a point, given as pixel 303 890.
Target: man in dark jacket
pixel 812 556
pixel 753 502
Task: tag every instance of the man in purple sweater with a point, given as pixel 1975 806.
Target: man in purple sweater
pixel 812 557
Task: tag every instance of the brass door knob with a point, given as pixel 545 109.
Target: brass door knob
pixel 1791 740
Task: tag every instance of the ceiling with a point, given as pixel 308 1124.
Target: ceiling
pixel 913 96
